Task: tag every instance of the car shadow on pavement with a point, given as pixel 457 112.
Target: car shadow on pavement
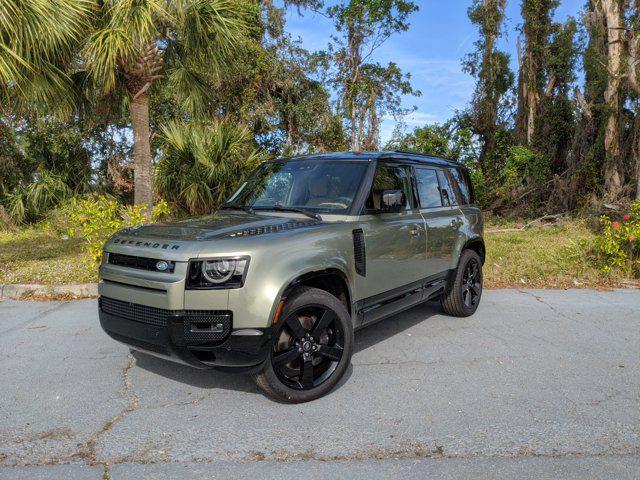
pixel 213 379
pixel 392 326
pixel 207 379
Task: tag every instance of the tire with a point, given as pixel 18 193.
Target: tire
pixel 312 348
pixel 463 297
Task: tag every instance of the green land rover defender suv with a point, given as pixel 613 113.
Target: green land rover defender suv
pixel 307 251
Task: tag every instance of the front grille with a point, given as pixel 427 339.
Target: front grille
pixel 141 263
pixel 200 326
pixel 134 312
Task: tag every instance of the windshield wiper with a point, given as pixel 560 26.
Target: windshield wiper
pixel 280 208
pixel 231 206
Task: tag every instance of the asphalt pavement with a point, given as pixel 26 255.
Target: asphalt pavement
pixel 538 384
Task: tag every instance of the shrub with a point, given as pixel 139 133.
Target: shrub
pixel 619 242
pixel 95 219
pixel 524 169
pixel 203 163
pixel 30 202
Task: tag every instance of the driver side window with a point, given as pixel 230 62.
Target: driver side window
pixel 389 177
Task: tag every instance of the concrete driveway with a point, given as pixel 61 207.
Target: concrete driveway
pixel 538 384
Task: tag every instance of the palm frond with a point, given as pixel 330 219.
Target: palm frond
pixel 202 163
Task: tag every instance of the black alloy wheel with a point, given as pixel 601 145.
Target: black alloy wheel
pixel 471 286
pixel 312 347
pixel 308 348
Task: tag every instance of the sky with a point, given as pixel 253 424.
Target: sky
pixel 431 50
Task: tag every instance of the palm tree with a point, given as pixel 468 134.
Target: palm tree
pixel 138 43
pixel 37 42
pixel 203 163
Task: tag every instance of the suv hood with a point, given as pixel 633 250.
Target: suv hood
pixel 220 225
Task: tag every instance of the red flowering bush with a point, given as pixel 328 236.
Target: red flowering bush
pixel 619 244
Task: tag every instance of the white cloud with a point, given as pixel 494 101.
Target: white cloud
pixel 420 119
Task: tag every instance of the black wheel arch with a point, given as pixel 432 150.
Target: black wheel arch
pixel 331 280
pixel 476 244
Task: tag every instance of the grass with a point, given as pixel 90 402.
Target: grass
pixel 551 257
pixel 35 256
pixel 557 256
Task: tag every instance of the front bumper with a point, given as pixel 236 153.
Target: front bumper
pixel 179 336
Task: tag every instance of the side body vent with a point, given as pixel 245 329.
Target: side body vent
pixel 359 252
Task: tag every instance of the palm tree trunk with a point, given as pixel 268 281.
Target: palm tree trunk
pixel 143 192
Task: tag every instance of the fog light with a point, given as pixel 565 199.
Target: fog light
pixel 162 266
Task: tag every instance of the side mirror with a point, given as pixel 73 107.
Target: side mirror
pixel 393 201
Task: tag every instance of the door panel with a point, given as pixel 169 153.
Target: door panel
pixel 396 251
pixel 443 228
pixel 442 219
pixel 395 242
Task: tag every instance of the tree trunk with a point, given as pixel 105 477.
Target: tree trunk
pixel 527 95
pixel 355 144
pixel 143 192
pixel 638 177
pixel 613 176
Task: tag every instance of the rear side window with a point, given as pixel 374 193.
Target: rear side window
pixel 446 189
pixel 464 185
pixel 428 188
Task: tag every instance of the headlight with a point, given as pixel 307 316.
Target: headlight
pixel 217 273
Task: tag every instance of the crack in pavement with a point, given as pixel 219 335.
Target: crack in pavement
pixel 126 380
pixel 544 302
pixel 88 449
pixel 39 316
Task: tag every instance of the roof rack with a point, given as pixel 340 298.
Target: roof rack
pixel 409 152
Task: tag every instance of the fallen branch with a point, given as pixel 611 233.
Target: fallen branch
pixel 530 224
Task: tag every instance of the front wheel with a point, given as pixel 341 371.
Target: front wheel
pixel 464 296
pixel 312 348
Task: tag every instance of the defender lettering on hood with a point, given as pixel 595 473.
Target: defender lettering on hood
pixel 163 246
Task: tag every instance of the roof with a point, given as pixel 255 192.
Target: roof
pixel 368 156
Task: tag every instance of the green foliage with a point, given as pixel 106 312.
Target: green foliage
pixel 192 34
pixel 31 202
pixel 523 169
pixel 484 193
pixel 58 148
pixel 37 41
pixel 494 78
pixel 619 242
pixel 368 90
pixel 202 163
pixel 15 169
pixel 95 219
pixel 449 140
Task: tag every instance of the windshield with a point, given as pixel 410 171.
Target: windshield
pixel 310 185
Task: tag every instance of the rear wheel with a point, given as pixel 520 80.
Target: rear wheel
pixel 312 348
pixel 464 296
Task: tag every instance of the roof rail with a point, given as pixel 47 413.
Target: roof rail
pixel 409 152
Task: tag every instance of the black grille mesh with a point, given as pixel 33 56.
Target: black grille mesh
pixel 134 312
pixel 206 327
pixel 141 263
pixel 200 326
